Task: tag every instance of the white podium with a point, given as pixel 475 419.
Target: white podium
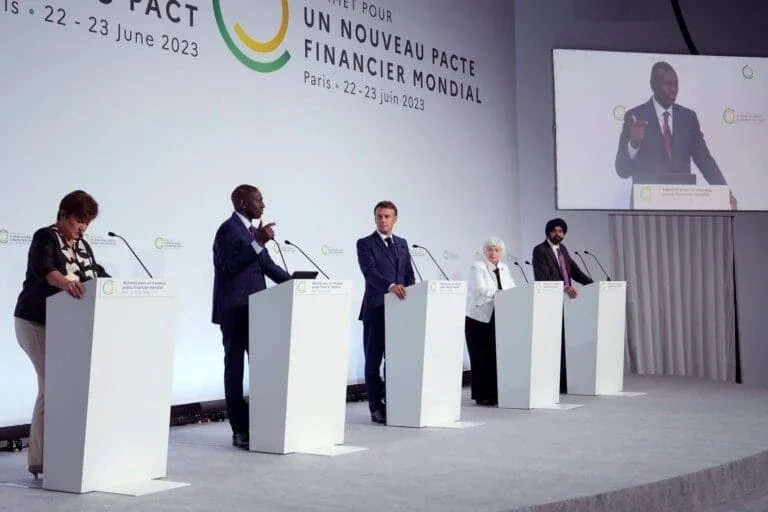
pixel 528 334
pixel 595 324
pixel 109 374
pixel 424 354
pixel 681 197
pixel 299 351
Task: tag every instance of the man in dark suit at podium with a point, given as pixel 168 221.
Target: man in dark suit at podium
pixel 386 266
pixel 240 262
pixel 659 138
pixel 551 262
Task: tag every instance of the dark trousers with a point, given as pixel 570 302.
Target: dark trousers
pixel 373 345
pixel 481 345
pixel 563 376
pixel 235 340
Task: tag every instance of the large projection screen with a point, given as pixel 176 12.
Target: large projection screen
pixel 615 153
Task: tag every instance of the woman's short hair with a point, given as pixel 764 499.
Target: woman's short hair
pixel 80 204
pixel 494 241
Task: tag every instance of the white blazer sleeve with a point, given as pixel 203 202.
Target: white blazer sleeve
pixel 479 290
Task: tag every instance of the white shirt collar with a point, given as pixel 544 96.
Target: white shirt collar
pixel 553 246
pixel 244 220
pixel 490 266
pixel 384 237
pixel 660 110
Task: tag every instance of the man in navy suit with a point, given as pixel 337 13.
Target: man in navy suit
pixel 659 138
pixel 240 262
pixel 551 262
pixel 386 266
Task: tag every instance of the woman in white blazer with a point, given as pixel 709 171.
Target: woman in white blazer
pixel 486 277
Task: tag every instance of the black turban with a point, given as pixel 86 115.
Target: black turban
pixel 552 224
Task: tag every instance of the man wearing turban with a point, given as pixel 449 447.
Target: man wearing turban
pixel 551 262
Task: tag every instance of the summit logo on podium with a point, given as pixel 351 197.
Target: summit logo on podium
pixel 108 287
pixel 262 48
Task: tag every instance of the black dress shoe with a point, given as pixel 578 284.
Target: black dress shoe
pixel 240 440
pixel 487 403
pixel 379 416
pixel 35 470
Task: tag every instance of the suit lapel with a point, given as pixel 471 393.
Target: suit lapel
pixel 553 260
pixel 240 226
pixel 399 247
pixel 677 124
pixel 653 121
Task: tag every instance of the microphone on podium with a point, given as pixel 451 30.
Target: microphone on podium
pixel 280 251
pixel 586 267
pixel 288 242
pixel 413 262
pixel 521 270
pixel 416 246
pixel 607 277
pixel 113 234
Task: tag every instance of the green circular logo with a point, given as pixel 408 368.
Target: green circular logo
pixel 729 116
pixel 108 287
pixel 747 72
pixel 4 236
pixel 159 242
pixel 301 287
pixel 324 249
pixel 619 111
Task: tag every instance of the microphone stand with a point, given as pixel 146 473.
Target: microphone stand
pixel 607 277
pixel 280 251
pixel 111 233
pixel 522 271
pixel 413 262
pixel 287 242
pixel 415 246
pixel 586 267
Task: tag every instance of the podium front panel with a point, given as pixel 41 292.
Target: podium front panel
pixel 594 338
pixel 299 338
pixel 108 398
pixel 681 197
pixel 528 330
pixel 424 353
pixel 611 330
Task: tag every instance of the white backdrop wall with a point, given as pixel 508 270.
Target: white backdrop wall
pixel 718 28
pixel 160 138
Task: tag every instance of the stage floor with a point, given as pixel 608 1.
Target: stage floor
pixel 514 460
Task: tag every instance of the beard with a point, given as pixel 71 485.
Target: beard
pixel 555 239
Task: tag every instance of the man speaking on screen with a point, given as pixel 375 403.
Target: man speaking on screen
pixel 659 138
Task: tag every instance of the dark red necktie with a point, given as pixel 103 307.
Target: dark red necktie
pixel 667 136
pixel 563 267
pixel 253 232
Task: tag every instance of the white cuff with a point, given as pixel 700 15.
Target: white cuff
pixel 632 151
pixel 257 247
